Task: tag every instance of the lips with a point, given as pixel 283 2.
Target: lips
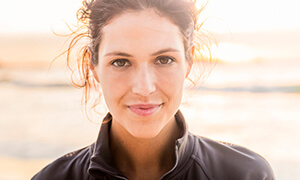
pixel 144 109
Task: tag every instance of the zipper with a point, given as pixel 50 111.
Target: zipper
pixel 176 162
pixel 120 177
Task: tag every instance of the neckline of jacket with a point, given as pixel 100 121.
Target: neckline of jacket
pixel 101 161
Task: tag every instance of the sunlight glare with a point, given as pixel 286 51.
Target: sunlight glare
pixel 233 53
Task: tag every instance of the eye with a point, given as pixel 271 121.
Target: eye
pixel 120 63
pixel 164 60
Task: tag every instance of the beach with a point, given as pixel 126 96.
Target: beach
pixel 42 118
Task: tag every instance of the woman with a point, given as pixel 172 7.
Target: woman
pixel 140 53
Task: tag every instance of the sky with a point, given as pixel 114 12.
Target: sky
pixel 264 17
pixel 224 15
pixel 255 15
pixel 36 16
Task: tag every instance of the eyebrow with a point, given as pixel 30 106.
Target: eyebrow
pixel 119 53
pixel 164 51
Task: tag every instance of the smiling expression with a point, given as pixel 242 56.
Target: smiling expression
pixel 141 71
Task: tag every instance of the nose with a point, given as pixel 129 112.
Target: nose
pixel 143 81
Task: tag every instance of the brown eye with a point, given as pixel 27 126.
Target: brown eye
pixel 164 60
pixel 120 63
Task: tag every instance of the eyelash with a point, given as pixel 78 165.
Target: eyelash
pixel 170 60
pixel 157 61
pixel 126 63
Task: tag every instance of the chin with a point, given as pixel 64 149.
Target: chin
pixel 145 131
pixel 144 134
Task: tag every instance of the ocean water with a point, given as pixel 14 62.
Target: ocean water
pixel 253 105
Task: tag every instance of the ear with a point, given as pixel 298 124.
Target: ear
pixel 92 66
pixel 190 62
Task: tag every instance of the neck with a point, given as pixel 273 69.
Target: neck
pixel 136 157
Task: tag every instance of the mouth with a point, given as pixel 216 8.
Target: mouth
pixel 144 109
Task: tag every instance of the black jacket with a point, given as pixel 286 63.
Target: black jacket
pixel 197 158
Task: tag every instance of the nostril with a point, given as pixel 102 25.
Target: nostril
pixel 143 82
pixel 144 88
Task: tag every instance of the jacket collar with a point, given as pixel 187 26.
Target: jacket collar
pixel 101 161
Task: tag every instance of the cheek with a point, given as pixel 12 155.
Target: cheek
pixel 113 86
pixel 116 85
pixel 172 81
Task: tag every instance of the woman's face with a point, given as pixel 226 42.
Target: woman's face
pixel 141 71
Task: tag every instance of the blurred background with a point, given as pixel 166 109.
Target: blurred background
pixel 251 98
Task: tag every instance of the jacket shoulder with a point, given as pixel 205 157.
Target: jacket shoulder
pixel 221 160
pixel 73 165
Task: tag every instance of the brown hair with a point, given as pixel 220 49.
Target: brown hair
pixel 95 14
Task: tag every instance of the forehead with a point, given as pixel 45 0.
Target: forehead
pixel 146 28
